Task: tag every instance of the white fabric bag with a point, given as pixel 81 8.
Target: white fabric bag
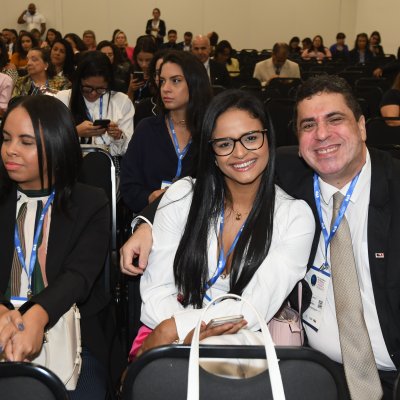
pixel 61 350
pixel 274 372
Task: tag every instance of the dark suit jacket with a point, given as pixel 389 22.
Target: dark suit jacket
pixel 219 74
pixel 161 33
pixel 295 177
pixel 77 248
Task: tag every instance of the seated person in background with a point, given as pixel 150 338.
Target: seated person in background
pixel 317 50
pixel 120 40
pixel 144 52
pixel 121 66
pixel 223 55
pixel 361 53
pixel 25 42
pixel 213 37
pixel 294 48
pixel 375 44
pixel 216 72
pixel 161 151
pixel 306 43
pixel 89 38
pixel 6 88
pixel 36 34
pixel 76 42
pixel 278 66
pixel 51 36
pixel 172 36
pixel 390 103
pixel 92 98
pixel 186 45
pixel 62 57
pixel 340 50
pixel 41 78
pixel 72 242
pixel 206 231
pixel 5 66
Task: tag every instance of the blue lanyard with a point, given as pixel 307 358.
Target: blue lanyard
pixel 342 210
pixel 179 154
pixel 91 117
pixel 222 258
pixel 18 247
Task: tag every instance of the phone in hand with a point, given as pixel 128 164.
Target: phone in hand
pixel 102 122
pixel 232 319
pixel 139 76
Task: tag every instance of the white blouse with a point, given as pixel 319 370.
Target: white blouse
pixel 285 265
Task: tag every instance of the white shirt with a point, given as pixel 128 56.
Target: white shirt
pixel 34 21
pixel 326 339
pixel 118 109
pixel 284 266
pixel 207 67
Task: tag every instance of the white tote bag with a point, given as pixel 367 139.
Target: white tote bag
pixel 273 367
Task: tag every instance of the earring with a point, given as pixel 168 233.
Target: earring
pixel 216 162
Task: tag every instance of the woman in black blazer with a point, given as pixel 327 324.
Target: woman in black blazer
pixel 40 160
pixel 156 27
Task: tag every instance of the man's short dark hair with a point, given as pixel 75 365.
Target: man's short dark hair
pixel 188 34
pixel 172 31
pixel 327 84
pixel 340 35
pixel 280 46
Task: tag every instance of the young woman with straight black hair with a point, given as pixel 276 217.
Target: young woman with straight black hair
pixel 230 230
pixel 43 207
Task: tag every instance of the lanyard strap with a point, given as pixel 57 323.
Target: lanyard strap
pixel 179 154
pixel 91 117
pixel 221 257
pixel 18 246
pixel 342 210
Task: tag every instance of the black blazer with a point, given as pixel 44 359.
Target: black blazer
pixel 219 74
pixel 295 177
pixel 77 248
pixel 161 33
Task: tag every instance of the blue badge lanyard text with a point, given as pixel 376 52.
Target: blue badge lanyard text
pixel 221 257
pixel 179 154
pixel 338 220
pixel 18 246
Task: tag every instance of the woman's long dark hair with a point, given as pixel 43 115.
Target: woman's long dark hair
pixel 4 59
pixel 55 133
pixel 69 63
pixel 209 193
pixel 22 53
pixel 199 91
pixel 92 63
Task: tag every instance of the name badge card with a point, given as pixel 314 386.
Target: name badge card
pixel 318 280
pixel 165 184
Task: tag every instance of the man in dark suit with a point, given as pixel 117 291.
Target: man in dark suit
pixel 186 45
pixel 171 44
pixel 217 72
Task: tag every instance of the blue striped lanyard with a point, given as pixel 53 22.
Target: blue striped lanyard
pixel 91 117
pixel 18 246
pixel 179 154
pixel 342 210
pixel 221 257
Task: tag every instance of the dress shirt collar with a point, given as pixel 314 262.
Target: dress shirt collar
pixel 327 190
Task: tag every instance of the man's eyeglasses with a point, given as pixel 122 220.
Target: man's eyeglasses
pixel 252 140
pixel 89 89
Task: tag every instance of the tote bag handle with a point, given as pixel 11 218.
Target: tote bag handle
pixel 193 391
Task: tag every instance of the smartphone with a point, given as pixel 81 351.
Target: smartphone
pixel 139 75
pixel 232 319
pixel 102 122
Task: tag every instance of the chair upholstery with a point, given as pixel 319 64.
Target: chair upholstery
pixel 19 380
pixel 306 374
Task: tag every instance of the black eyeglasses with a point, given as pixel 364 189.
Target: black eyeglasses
pixel 89 89
pixel 252 140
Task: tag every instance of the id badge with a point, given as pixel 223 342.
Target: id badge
pixel 165 184
pixel 319 281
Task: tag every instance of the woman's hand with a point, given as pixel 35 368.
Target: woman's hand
pixel 10 324
pixel 164 333
pixel 155 194
pixel 27 343
pixel 87 129
pixel 113 131
pixel 138 245
pixel 207 331
pixel 134 85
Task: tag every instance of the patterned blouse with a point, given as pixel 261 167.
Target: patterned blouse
pixel 25 86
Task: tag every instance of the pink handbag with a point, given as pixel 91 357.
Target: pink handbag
pixel 286 328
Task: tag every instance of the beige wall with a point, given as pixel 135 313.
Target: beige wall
pixel 245 23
